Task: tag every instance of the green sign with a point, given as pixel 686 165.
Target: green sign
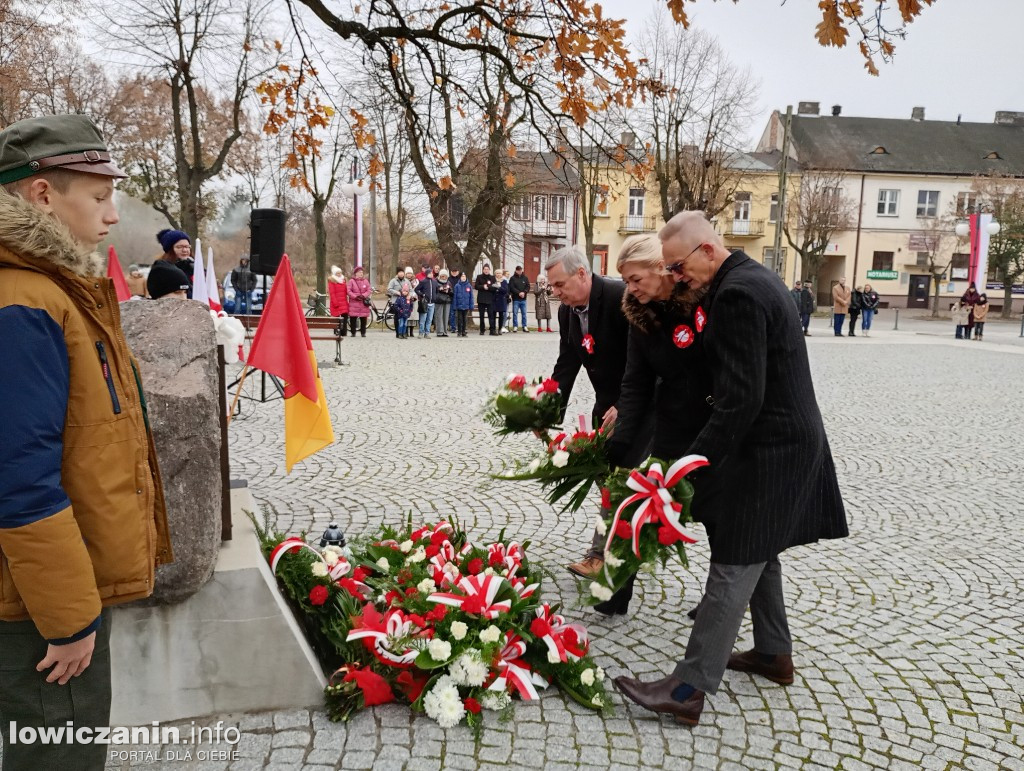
pixel 884 275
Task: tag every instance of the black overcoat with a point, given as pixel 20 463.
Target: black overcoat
pixel 771 466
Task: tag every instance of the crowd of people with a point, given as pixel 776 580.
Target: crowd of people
pixel 969 314
pixel 861 301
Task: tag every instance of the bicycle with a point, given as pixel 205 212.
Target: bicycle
pixel 313 300
pixel 385 318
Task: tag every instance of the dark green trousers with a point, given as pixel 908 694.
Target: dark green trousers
pixel 26 699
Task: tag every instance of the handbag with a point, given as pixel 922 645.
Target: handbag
pixel 421 306
pixel 366 301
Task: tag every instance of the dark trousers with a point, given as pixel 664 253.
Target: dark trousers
pixel 26 699
pixel 730 589
pixel 837 322
pixel 460 319
pixel 853 320
pixel 487 310
pixel 362 324
pixel 805 320
pixel 343 324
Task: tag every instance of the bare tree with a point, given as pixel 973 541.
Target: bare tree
pixel 695 119
pixel 936 240
pixel 815 213
pixel 1003 198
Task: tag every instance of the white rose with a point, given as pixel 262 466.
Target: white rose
pixel 319 569
pixel 599 592
pixel 587 677
pixel 560 459
pixel 383 564
pixel 440 650
pixel 405 547
pixel 492 634
pixel 597 701
pixel 534 465
pixel 600 525
pixel 330 558
pixel 426 586
pixel 459 630
pixel 600 675
pixel 417 556
pixel 554 658
pixel 612 560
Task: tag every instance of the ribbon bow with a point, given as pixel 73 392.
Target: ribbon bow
pixel 654 492
pixel 479 593
pixel 380 633
pixel 288 545
pixel 564 640
pixel 588 343
pixel 514 674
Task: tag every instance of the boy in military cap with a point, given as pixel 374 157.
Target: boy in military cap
pixel 82 521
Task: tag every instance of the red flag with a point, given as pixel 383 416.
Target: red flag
pixel 282 345
pixel 114 271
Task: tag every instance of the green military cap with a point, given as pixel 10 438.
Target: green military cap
pixel 53 142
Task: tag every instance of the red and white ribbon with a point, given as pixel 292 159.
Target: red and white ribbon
pixel 514 674
pixel 588 343
pixel 395 626
pixel 557 639
pixel 479 591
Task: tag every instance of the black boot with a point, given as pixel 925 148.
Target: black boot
pixel 618 605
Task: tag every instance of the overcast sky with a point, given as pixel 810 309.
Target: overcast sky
pixel 960 57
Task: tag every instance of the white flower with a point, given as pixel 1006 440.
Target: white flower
pixel 426 586
pixel 600 675
pixel 469 669
pixel 492 634
pixel 648 567
pixel 330 558
pixel 444 704
pixel 451 568
pixel 440 650
pixel 459 630
pixel 489 572
pixel 319 569
pixel 587 676
pixel 417 556
pixel 597 701
pixel 554 658
pixel 534 465
pixel 495 700
pixel 560 459
pixel 612 560
pixel 405 547
pixel 383 564
pixel 531 391
pixel 602 593
pixel 601 526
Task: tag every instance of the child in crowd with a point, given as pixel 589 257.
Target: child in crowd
pixel 403 310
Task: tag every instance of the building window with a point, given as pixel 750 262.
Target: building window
pixel 888 203
pixel 966 203
pixel 600 202
pixel 521 208
pixel 741 207
pixel 769 259
pixel 636 201
pixel 960 267
pixel 773 208
pixel 927 203
pixel 557 208
pixel 881 261
pixel 923 259
pixel 540 208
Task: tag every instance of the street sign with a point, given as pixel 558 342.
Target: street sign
pixel 884 275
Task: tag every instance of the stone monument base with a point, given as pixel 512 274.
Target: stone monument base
pixel 233 647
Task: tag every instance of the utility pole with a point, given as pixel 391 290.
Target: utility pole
pixel 780 267
pixel 373 232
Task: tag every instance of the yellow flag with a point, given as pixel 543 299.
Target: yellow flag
pixel 307 425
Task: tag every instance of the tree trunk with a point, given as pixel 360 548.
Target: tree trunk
pixel 320 250
pixel 937 283
pixel 1007 311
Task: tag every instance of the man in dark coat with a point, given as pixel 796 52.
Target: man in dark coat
pixel 485 286
pixel 243 281
pixel 770 464
pixel 593 333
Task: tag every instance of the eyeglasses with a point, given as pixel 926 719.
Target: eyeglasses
pixel 677 267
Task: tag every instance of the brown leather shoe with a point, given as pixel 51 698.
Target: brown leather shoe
pixel 779 670
pixel 588 567
pixel 657 697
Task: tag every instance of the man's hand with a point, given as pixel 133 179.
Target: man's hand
pixel 609 419
pixel 69 660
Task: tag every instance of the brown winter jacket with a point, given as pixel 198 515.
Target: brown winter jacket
pixel 82 517
pixel 840 298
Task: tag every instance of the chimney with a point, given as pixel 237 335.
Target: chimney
pixel 837 110
pixel 628 139
pixel 917 114
pixel 1005 118
pixel 807 108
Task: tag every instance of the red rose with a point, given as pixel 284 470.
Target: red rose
pixel 666 536
pixel 517 383
pixel 432 551
pixel 548 386
pixel 318 594
pixel 360 573
pixel 606 498
pixel 623 529
pixel 540 628
pixel 472 705
pixel 475 566
pixel 570 638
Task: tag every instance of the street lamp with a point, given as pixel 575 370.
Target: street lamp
pixel 977 270
pixel 356 188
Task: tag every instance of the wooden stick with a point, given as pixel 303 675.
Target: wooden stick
pixel 238 392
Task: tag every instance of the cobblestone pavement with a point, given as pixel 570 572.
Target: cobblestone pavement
pixel 909 634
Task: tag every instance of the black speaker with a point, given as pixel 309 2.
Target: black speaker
pixel 267 247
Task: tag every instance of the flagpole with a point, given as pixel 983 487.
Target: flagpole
pixel 238 393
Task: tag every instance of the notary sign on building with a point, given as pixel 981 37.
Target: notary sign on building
pixel 884 275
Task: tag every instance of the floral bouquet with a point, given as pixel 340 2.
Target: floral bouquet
pixel 520 407
pixel 424 615
pixel 652 506
pixel 570 463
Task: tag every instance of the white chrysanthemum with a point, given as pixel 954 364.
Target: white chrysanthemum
pixel 495 700
pixel 443 703
pixel 319 569
pixel 459 630
pixel 587 677
pixel 554 658
pixel 383 564
pixel 417 556
pixel 469 669
pixel 597 701
pixel 405 547
pixel 600 592
pixel 611 560
pixel 492 634
pixel 560 459
pixel 427 585
pixel 600 525
pixel 534 465
pixel 600 675
pixel 440 650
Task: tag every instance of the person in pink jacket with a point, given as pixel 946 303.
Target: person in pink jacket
pixel 359 291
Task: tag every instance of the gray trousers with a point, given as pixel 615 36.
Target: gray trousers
pixel 28 700
pixel 730 589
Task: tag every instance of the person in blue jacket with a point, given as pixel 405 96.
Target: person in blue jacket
pixel 501 299
pixel 403 310
pixel 462 303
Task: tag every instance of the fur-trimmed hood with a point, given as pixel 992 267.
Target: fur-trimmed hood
pixel 29 238
pixel 648 318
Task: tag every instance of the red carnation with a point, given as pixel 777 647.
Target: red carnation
pixel 360 573
pixel 548 386
pixel 540 628
pixel 411 591
pixel 606 498
pixel 318 594
pixel 350 586
pixel 417 620
pixel 472 705
pixel 474 604
pixel 392 597
pixel 438 613
pixel 570 638
pixel 495 559
pixel 432 551
pixel 438 538
pixel 475 566
pixel 623 529
pixel 517 383
pixel 374 687
pixel 666 536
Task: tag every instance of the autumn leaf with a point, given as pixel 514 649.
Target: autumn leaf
pixel 910 9
pixel 678 14
pixel 512 151
pixel 445 183
pixel 375 167
pixel 830 31
pixel 510 180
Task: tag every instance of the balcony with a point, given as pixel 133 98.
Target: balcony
pixel 631 223
pixel 542 228
pixel 744 228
